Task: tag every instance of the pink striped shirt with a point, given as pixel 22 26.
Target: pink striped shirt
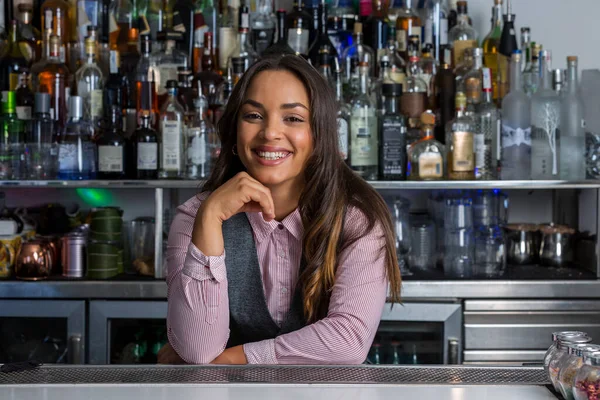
pixel 198 309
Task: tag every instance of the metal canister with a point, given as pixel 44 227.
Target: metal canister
pixel 73 255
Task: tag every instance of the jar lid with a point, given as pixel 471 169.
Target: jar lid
pixel 564 341
pixel 591 348
pixel 577 349
pixel 592 358
pixel 555 335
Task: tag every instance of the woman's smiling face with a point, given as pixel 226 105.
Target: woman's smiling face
pixel 274 136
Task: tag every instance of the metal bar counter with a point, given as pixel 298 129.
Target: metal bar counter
pixel 259 382
pixel 157 289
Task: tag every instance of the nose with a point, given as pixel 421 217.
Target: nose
pixel 271 129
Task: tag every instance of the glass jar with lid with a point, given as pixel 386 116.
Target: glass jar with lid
pixel 552 350
pixel 587 380
pixel 558 361
pixel 571 365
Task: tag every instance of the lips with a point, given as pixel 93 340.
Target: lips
pixel 271 153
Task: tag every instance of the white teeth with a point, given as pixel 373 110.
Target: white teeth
pixel 270 155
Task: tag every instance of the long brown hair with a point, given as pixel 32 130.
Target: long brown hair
pixel 331 187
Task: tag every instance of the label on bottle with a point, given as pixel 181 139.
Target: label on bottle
pixel 171 145
pixel 96 103
pixel 430 165
pixel 487 79
pixel 394 148
pixel 147 156
pixel 428 31
pixel 417 31
pixel 262 39
pixel 363 146
pixel 342 131
pixel 200 28
pixel 67 157
pixel 402 39
pixel 24 113
pixel 227 42
pixel 473 89
pixel 298 40
pixel 498 140
pixel 480 150
pixel 196 151
pixel 515 137
pixel 110 158
pixel 398 75
pixel 443 32
pixel 412 105
pixel 462 152
pixel 458 49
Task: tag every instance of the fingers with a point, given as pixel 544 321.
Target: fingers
pixel 258 193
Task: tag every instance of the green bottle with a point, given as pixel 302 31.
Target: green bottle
pixel 12 155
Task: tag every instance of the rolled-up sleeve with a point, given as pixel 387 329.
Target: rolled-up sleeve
pixel 198 304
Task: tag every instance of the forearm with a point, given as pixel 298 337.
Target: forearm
pixel 207 234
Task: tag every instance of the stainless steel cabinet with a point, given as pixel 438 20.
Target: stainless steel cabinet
pixel 51 331
pixel 116 326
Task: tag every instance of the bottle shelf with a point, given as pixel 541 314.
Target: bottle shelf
pixel 380 185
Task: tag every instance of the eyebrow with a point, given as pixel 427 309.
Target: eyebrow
pixel 285 106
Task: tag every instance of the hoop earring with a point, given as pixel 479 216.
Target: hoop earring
pixel 234 150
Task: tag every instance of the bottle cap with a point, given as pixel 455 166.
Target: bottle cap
pixel 42 103
pixel 75 107
pixel 572 59
pixel 172 84
pixel 428 118
pixel 391 89
pixel 462 7
pixel 8 102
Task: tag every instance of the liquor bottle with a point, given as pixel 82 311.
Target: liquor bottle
pixel 446 92
pixel 452 14
pixel 363 130
pixel 202 143
pixel 12 156
pixel 462 36
pixel 545 125
pixel 55 79
pixel 340 24
pixel 281 46
pixel 29 35
pixel 516 127
pixel 465 66
pixel 183 22
pixel 322 40
pixel 119 90
pixel 228 86
pixel 408 23
pixel 531 75
pixel 525 42
pixel 487 132
pixel 56 12
pixel 111 148
pixel 392 128
pixel 459 140
pixel 228 32
pixel 508 45
pixel 298 23
pixel 429 66
pixel 243 48
pixel 167 62
pixel 212 81
pixel 376 31
pixel 172 138
pixel 24 97
pixel 413 102
pixel 145 144
pixel 38 66
pixel 88 13
pixel 325 69
pixel 491 43
pixel 13 61
pixel 435 22
pixel 426 157
pixel 90 85
pixel 472 82
pixel 262 26
pixel 146 79
pixel 76 152
pixel 125 35
pixel 359 52
pixel 558 81
pixel 343 114
pixel 185 93
pixel 397 63
pixel 205 20
pixel 41 150
pixel 572 128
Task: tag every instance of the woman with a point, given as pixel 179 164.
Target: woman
pixel 286 256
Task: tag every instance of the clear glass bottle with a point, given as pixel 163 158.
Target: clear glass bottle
pixel 76 152
pixel 435 22
pixel 427 156
pixel 41 150
pixel 516 128
pixel 56 13
pixel 90 84
pixel 202 143
pixel 212 81
pixel 587 379
pixel 491 43
pixel 29 35
pixel 24 96
pixel 262 26
pixel 363 130
pixel 172 139
pixel 298 24
pixel 525 43
pixel 146 148
pixel 555 364
pixel 408 23
pixel 392 128
pixel 471 83
pixel 459 139
pixel 343 113
pixel 572 128
pixel 545 125
pixel 243 48
pixel 397 63
pixel 487 133
pixel 358 52
pixel 13 60
pixel 531 75
pixel 146 73
pixel 429 66
pixel 571 366
pixel 206 19
pixel 167 61
pixel 12 151
pixel 462 36
pixel 508 45
pixel 55 79
pixel 88 14
pixel 39 65
pixel 413 102
pixel 112 159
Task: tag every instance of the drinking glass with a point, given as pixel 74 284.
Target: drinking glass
pixel 490 252
pixel 423 255
pixel 459 255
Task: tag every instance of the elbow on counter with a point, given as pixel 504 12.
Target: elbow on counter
pixel 197 354
pixel 351 342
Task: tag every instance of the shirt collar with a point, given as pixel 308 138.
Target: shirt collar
pixel 262 229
